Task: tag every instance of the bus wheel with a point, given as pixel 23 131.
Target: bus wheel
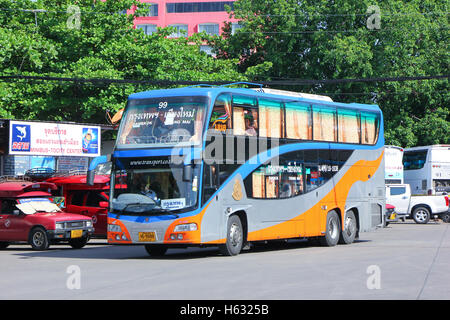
pixel 38 239
pixel 155 250
pixel 421 215
pixel 349 233
pixel 235 237
pixel 332 231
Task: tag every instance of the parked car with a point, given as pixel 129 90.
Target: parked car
pixel 391 215
pixel 419 208
pixel 88 200
pixel 28 213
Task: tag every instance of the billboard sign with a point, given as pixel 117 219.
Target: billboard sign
pixel 54 139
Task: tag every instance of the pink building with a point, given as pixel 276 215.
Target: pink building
pixel 188 17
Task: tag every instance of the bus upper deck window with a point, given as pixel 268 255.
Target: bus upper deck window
pixel 271 122
pixel 221 113
pixel 324 124
pixel 348 126
pixel 370 126
pixel 245 116
pixel 298 121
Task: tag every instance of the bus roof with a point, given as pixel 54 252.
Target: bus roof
pixel 213 91
pixel 434 146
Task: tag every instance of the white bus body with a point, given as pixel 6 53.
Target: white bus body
pixel 427 169
pixel 393 165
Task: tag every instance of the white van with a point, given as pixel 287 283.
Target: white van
pixel 427 169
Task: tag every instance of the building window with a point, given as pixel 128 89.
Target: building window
pixel 235 26
pixel 209 28
pixel 181 30
pixel 183 7
pixel 148 28
pixel 208 50
pixel 153 10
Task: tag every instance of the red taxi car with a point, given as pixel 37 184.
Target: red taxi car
pixel 29 214
pixel 89 200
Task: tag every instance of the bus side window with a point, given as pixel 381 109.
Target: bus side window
pixel 370 127
pixel 271 122
pixel 349 126
pixel 298 121
pixel 245 116
pixel 324 124
pixel 210 182
pixel 221 113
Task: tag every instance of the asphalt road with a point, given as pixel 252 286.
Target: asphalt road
pixel 403 261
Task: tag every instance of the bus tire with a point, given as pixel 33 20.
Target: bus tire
pixel 38 239
pixel 332 231
pixel 235 237
pixel 155 250
pixel 421 215
pixel 348 234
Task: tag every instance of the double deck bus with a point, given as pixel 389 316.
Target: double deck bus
pixel 427 169
pixel 222 166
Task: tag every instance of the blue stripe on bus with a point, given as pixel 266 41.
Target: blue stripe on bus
pixel 249 166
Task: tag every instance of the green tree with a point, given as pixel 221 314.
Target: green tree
pixel 321 39
pixel 94 40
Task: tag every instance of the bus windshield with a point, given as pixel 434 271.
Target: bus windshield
pixel 162 122
pixel 153 186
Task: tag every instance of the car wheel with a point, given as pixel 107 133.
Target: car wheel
pixel 38 239
pixel 446 217
pixel 235 237
pixel 350 228
pixel 78 243
pixel 332 231
pixel 4 245
pixel 155 250
pixel 421 215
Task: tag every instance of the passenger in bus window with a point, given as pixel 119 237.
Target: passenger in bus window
pixel 250 125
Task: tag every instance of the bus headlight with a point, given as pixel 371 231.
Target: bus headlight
pixel 186 227
pixel 114 228
pixel 59 226
pixel 89 223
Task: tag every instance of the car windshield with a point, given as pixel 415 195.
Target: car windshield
pixel 160 122
pixel 153 186
pixel 33 205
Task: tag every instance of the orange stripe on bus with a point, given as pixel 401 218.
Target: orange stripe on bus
pixel 360 171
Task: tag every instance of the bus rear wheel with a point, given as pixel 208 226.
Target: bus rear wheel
pixel 235 237
pixel 348 234
pixel 332 231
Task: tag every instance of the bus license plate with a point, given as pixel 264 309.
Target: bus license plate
pixel 76 233
pixel 147 236
pixel 392 217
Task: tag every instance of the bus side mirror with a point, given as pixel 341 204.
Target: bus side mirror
pixel 90 177
pixel 93 164
pixel 187 172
